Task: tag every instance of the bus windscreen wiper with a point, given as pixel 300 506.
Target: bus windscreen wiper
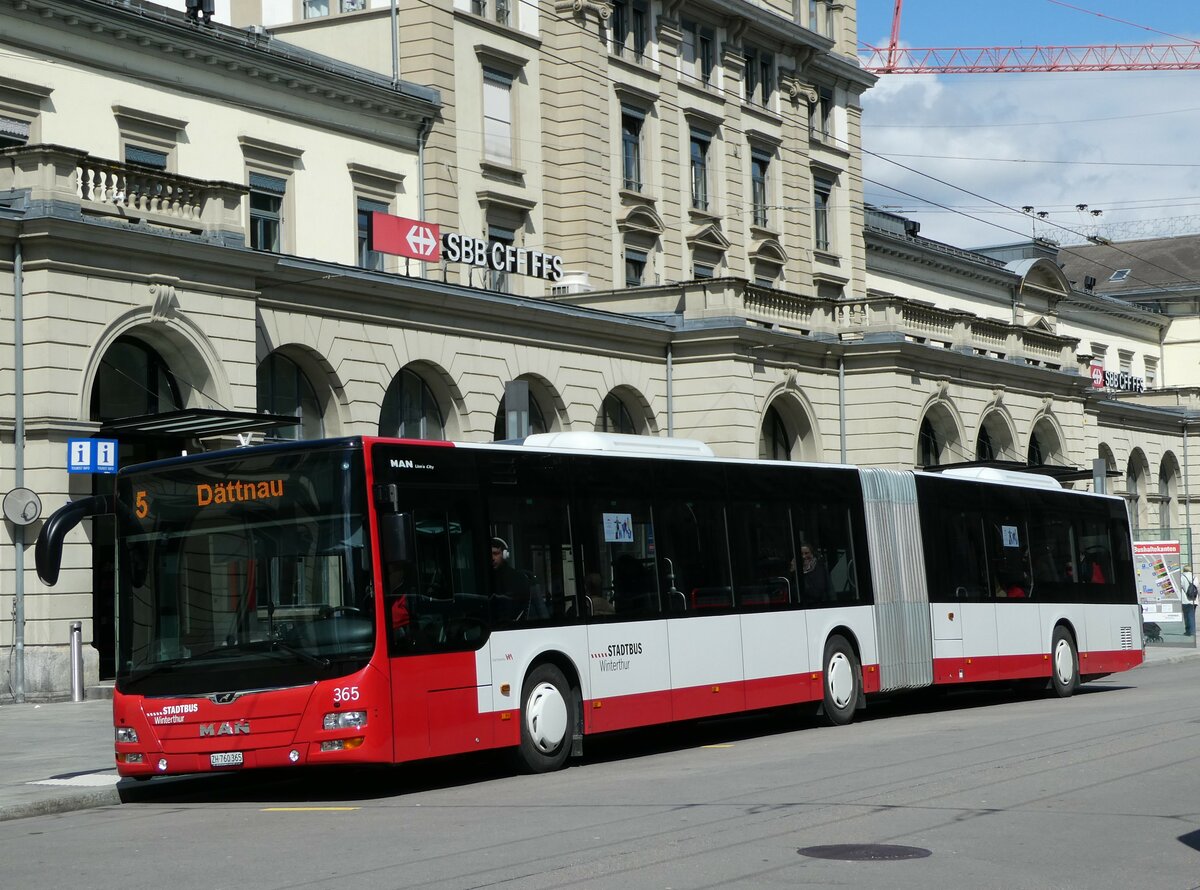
pixel 230 648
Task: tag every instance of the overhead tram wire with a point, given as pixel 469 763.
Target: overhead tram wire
pixel 1000 204
pixel 602 75
pixel 732 95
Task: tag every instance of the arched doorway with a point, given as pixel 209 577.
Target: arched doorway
pixel 787 432
pixel 132 380
pixel 618 416
pixel 284 388
pixel 410 409
pixel 1045 445
pixel 995 438
pixel 938 439
pixel 537 419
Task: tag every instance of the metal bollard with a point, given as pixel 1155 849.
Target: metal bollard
pixel 76 661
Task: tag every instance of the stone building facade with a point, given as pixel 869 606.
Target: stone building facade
pixel 185 250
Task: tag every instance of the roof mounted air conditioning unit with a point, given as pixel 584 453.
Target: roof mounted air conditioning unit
pixel 571 283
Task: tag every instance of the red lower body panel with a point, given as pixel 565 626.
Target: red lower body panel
pixel 1020 667
pixel 647 709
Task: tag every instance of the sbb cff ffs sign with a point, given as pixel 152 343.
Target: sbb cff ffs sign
pixel 420 240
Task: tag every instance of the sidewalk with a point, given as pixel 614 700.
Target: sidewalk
pixel 58 757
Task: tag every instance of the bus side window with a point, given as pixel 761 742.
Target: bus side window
pixel 827 570
pixel 965 557
pixel 616 538
pixel 1008 554
pixel 691 556
pixel 764 561
pixel 538 534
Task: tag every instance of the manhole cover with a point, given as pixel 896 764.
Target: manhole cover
pixel 864 852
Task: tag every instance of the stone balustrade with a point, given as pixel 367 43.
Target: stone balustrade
pixel 60 177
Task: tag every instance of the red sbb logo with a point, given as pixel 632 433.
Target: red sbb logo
pixel 412 238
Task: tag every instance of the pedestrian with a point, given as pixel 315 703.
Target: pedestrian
pixel 1188 583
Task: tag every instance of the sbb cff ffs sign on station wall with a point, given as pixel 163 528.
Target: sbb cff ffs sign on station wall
pixel 419 240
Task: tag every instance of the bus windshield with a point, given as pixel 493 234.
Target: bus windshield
pixel 243 572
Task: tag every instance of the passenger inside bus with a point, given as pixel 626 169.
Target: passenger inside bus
pixel 512 593
pixel 399 584
pixel 635 590
pixel 1091 567
pixel 1012 586
pixel 593 589
pixel 815 575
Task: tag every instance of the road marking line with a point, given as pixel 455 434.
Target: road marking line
pixel 309 809
pixel 718 746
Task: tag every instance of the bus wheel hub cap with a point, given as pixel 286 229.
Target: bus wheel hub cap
pixel 546 717
pixel 841 680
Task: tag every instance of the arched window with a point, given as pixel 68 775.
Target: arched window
pixel 615 416
pixel 284 389
pixel 777 441
pixel 133 380
pixel 1136 477
pixel 537 420
pixel 928 449
pixel 983 446
pixel 1036 456
pixel 410 410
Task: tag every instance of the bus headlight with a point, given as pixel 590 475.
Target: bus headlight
pixel 124 734
pixel 346 720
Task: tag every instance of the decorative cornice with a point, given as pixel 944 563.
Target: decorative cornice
pixel 709 236
pixel 580 8
pixel 244 53
pixel 145 117
pixel 795 88
pixel 643 219
pixel 769 250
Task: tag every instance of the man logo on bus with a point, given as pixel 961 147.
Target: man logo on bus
pixel 240 727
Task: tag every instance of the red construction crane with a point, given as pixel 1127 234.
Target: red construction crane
pixel 894 59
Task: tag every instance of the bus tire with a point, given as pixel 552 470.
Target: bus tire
pixel 547 716
pixel 842 680
pixel 1064 663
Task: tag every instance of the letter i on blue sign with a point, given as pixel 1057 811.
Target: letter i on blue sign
pixel 106 456
pixel 81 454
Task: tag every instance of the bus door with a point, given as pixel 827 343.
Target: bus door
pixel 960 591
pixel 629 663
pixel 767 590
pixel 704 630
pixel 437 617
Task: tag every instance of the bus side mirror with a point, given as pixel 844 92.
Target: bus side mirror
pixel 395 537
pixel 47 552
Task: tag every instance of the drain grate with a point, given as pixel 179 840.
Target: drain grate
pixel 864 852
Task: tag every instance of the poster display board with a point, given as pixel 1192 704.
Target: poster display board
pixel 1157 568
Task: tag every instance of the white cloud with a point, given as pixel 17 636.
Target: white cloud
pixel 1110 117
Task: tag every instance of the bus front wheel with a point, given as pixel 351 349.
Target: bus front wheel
pixel 547 706
pixel 1064 662
pixel 842 681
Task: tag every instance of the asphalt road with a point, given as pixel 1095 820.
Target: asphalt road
pixel 981 790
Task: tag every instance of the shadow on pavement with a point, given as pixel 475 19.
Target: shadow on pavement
pixel 327 784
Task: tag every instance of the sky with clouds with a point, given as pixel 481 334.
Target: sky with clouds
pixel 976 144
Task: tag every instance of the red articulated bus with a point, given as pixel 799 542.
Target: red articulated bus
pixel 373 600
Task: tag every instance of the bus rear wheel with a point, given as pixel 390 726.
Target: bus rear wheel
pixel 842 679
pixel 547 709
pixel 1064 663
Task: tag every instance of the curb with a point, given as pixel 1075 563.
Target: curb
pixel 83 800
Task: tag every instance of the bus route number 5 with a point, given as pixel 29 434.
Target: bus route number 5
pixel 345 694
pixel 142 505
